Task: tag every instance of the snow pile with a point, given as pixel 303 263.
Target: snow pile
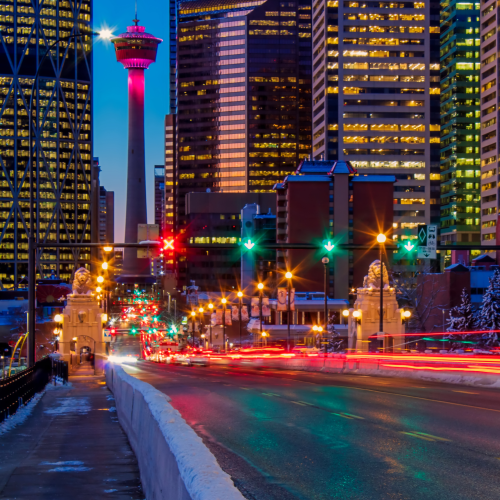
pixel 21 414
pixel 173 460
pixel 67 406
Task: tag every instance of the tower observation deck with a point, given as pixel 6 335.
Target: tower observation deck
pixel 136 50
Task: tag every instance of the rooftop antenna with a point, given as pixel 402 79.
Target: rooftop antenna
pixel 136 20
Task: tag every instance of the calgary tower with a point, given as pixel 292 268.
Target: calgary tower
pixel 136 50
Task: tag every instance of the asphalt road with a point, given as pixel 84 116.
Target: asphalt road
pixel 295 435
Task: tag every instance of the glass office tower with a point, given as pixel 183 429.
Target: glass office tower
pixel 62 140
pixel 376 99
pixel 460 123
pixel 243 95
pixel 489 122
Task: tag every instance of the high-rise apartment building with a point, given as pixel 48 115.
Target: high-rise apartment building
pixel 170 174
pixel 489 122
pixel 460 123
pixel 173 54
pixel 160 196
pixel 243 95
pixel 106 215
pixel 376 86
pixel 61 131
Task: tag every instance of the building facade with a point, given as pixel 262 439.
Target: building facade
pixel 489 123
pixel 460 123
pixel 173 55
pixel 376 86
pixel 243 95
pixel 160 197
pixel 214 221
pixel 106 216
pixel 343 207
pixel 62 140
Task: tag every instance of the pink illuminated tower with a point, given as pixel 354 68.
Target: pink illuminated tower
pixel 136 50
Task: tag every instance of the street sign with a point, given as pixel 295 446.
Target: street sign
pixel 427 242
pixel 106 336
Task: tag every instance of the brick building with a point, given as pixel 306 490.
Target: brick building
pixel 328 200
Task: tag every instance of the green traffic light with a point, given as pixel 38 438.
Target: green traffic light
pixel 409 246
pixel 329 246
pixel 249 244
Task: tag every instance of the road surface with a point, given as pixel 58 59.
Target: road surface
pixel 290 435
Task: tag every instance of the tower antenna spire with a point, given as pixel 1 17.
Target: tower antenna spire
pixel 136 20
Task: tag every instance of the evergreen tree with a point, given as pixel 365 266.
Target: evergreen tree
pixel 462 318
pixel 488 317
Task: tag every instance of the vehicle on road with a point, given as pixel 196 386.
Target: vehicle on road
pixel 189 356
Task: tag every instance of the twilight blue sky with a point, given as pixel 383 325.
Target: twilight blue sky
pixel 110 100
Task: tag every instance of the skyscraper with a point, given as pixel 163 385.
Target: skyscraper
pixel 460 123
pixel 173 54
pixel 243 95
pixel 489 123
pixel 160 197
pixel 136 50
pixel 62 140
pixel 106 215
pixel 376 98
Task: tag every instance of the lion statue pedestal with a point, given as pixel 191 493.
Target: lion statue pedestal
pixel 368 306
pixel 82 320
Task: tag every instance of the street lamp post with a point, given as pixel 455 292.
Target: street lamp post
pixel 193 314
pixel 260 286
pixel 210 307
pixel 201 311
pixel 325 261
pixel 33 236
pixel 289 277
pixel 224 300
pixel 240 297
pixel 381 240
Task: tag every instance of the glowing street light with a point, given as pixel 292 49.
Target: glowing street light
pixel 104 265
pixel 289 277
pixel 224 301
pixel 108 249
pixel 100 279
pixel 381 238
pixel 58 318
pixel 105 34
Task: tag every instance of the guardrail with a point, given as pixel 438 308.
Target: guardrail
pixel 60 370
pixel 18 389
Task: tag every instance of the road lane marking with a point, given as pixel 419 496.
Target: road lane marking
pixel 342 415
pixel 270 394
pixel 298 403
pixel 353 416
pixel 417 436
pixel 431 436
pixel 245 388
pixel 466 392
pixel 416 397
pixel 306 403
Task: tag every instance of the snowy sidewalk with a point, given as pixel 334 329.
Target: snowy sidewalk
pixel 71 447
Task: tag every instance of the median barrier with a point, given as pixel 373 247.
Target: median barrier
pixel 471 370
pixel 174 463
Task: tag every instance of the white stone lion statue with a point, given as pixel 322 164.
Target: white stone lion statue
pixel 373 278
pixel 81 283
